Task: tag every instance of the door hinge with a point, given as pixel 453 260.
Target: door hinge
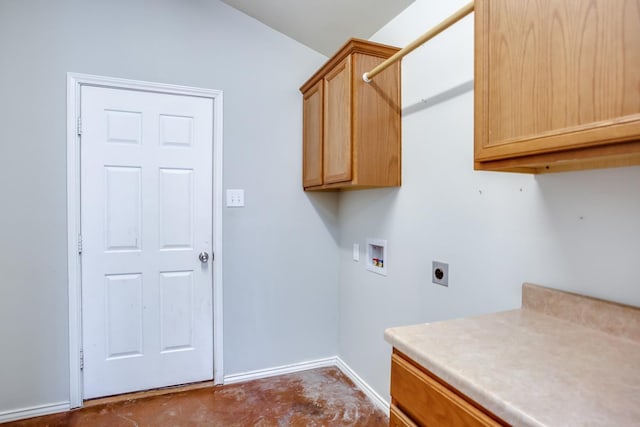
pixel 79 125
pixel 81 359
pixel 79 244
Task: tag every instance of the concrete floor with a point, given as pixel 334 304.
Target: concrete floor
pixel 318 397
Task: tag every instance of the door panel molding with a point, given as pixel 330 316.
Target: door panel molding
pixel 75 81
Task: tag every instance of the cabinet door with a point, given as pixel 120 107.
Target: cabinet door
pixel 337 123
pixel 555 75
pixel 312 137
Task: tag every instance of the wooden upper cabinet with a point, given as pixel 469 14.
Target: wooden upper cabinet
pixel 557 84
pixel 351 136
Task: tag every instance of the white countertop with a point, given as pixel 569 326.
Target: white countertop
pixel 531 368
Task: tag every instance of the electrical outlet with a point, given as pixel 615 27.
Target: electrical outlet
pixel 440 273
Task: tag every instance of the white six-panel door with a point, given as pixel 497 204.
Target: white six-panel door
pixel 146 215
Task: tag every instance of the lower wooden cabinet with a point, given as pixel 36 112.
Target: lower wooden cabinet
pixel 419 398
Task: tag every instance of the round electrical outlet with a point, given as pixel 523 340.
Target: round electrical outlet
pixel 440 273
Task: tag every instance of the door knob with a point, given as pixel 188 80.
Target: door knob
pixel 203 257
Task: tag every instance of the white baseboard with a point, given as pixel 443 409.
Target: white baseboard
pixel 34 411
pixel 279 370
pixel 362 385
pixel 313 364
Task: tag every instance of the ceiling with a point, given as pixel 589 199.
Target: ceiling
pixel 323 25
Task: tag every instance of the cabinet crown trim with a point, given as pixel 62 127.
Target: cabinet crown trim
pixel 353 45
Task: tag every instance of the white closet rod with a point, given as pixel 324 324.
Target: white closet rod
pixel 464 11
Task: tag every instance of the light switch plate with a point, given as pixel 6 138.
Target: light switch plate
pixel 356 252
pixel 235 198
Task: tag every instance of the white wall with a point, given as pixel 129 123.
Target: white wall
pixel 279 306
pixel 576 231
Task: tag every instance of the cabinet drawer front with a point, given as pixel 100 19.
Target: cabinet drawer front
pixel 429 403
pixel 399 419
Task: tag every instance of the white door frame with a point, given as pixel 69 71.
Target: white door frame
pixel 75 82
